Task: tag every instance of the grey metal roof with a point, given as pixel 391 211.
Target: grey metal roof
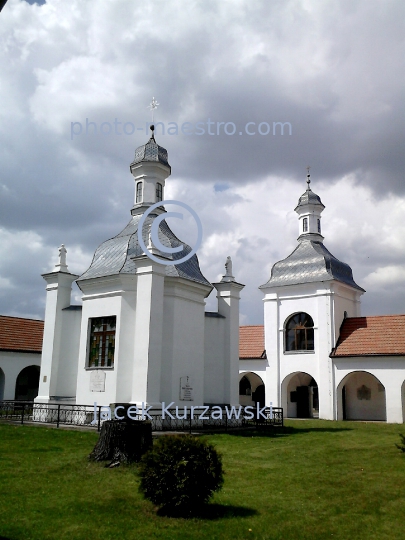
pixel 151 151
pixel 113 256
pixel 309 197
pixel 308 263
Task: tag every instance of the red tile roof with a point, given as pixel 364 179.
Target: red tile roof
pixel 371 336
pixel 251 342
pixel 20 334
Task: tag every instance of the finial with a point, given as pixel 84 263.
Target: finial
pixel 228 270
pixel 152 106
pixel 151 247
pixel 152 128
pixel 62 266
pixel 308 177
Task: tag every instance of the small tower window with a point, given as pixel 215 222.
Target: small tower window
pixel 139 192
pixel 305 225
pixel 159 192
pixel 319 226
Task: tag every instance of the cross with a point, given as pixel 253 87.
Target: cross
pixel 152 106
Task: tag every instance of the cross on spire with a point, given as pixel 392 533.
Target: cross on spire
pixel 153 106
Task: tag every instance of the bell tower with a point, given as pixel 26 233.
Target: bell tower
pixel 309 211
pixel 150 168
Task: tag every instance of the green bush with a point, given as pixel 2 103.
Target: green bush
pixel 180 472
pixel 401 445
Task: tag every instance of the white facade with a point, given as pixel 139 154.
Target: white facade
pixel 307 381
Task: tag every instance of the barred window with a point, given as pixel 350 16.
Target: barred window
pixel 139 192
pixel 299 333
pixel 305 224
pixel 159 192
pixel 319 225
pixel 102 342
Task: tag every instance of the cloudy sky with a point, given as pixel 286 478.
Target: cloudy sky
pixel 332 70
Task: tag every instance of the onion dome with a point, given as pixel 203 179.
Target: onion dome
pixel 151 151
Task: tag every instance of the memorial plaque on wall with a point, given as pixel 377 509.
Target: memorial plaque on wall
pixel 186 389
pixel 97 381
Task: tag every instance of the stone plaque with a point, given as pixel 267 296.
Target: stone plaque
pixel 97 381
pixel 186 389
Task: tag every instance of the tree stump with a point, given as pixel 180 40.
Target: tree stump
pixel 122 441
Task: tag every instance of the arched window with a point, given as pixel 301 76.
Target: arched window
pixel 139 192
pixel 159 192
pixel 305 224
pixel 245 388
pixel 299 333
pixel 319 226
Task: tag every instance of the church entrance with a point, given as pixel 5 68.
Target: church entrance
pixel 26 387
pixel 251 390
pixel 300 396
pixel 361 396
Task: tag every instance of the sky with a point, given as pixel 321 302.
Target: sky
pixel 331 72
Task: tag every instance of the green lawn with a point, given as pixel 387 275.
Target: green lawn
pixel 313 480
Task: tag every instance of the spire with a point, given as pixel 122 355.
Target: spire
pixel 308 178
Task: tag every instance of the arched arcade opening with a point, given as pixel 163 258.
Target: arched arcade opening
pixel 300 396
pixel 27 384
pixel 251 389
pixel 361 396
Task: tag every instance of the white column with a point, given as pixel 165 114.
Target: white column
pixel 273 340
pixel 393 398
pixel 148 332
pixel 228 294
pixel 58 292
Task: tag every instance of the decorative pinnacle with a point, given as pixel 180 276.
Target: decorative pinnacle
pixel 152 128
pixel 308 177
pixel 61 266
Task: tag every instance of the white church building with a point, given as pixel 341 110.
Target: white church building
pixel 142 334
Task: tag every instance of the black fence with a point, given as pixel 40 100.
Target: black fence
pixel 213 418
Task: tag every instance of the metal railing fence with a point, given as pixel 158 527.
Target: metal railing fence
pixel 190 419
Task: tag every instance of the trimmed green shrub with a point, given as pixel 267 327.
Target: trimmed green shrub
pixel 401 445
pixel 180 472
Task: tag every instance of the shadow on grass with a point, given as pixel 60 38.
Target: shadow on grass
pixel 283 431
pixel 208 511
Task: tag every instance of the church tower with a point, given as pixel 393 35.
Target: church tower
pixel 138 314
pixel 305 301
